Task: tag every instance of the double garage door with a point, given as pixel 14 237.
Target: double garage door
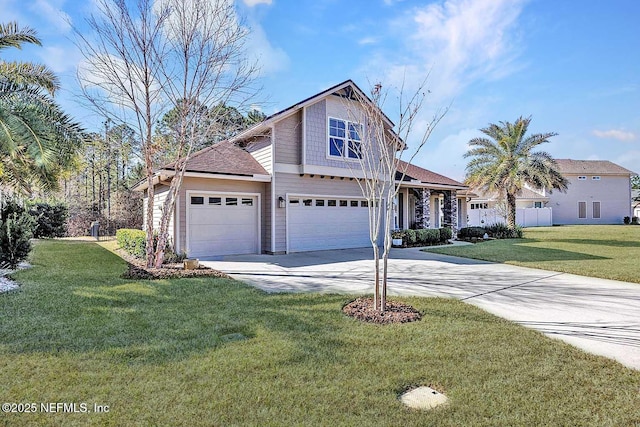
pixel 318 223
pixel 229 224
pixel 222 224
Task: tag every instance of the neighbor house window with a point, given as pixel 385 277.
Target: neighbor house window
pixel 479 205
pixel 537 204
pixel 582 210
pixel 596 210
pixel 345 139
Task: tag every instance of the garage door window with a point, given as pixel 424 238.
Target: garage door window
pixel 331 203
pixel 294 202
pixel 215 201
pixel 231 201
pixel 247 202
pixel 197 200
pixel 307 202
pixel 319 202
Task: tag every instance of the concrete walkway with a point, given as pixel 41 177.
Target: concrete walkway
pixel 596 315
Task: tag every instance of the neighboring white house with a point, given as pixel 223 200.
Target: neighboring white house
pixel 599 193
pixel 531 209
pixel 635 203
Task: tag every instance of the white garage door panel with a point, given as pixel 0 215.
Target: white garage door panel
pixel 327 227
pixel 216 230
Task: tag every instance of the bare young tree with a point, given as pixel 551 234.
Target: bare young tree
pixel 377 146
pixel 153 55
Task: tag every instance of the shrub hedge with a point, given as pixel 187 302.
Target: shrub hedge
pixel 133 241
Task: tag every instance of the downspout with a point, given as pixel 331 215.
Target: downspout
pixel 274 205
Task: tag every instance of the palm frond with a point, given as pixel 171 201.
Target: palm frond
pixel 11 35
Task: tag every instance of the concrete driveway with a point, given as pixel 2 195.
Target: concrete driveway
pixel 596 315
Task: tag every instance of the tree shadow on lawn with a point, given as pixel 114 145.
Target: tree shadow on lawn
pixel 613 243
pixel 522 251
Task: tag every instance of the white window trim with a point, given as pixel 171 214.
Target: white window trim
pixel 344 157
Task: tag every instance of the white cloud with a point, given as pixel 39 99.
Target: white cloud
pixel 270 59
pixel 252 3
pixel 51 12
pixel 619 135
pixel 457 41
pixel 367 40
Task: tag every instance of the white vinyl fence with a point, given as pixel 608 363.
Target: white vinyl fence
pixel 525 217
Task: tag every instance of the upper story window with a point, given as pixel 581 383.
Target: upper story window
pixel 595 178
pixel 582 178
pixel 345 139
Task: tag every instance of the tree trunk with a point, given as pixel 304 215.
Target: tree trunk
pixel 511 211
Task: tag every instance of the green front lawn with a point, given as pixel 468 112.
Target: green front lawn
pixel 217 352
pixel 605 251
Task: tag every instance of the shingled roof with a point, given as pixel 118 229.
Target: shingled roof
pixel 426 176
pixel 591 167
pixel 224 158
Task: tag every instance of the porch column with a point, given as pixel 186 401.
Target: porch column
pixel 425 206
pixel 451 210
pixel 404 193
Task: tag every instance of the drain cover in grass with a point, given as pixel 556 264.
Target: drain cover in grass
pixel 423 398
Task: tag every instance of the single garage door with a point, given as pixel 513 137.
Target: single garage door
pixel 318 223
pixel 222 225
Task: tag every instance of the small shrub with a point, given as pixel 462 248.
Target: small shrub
pixel 627 220
pixel 410 237
pixel 499 230
pixel 445 234
pixel 428 236
pixel 133 241
pixel 502 231
pixel 634 220
pixel 471 232
pixel 15 231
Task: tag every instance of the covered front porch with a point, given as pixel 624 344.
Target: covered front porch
pixel 417 207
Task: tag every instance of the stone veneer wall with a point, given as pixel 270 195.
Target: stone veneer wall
pixel 450 210
pixel 423 207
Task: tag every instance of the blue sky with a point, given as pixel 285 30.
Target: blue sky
pixel 574 66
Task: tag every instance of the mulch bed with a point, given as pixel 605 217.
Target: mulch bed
pixel 138 270
pixel 395 312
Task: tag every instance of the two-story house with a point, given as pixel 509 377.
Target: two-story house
pixel 282 186
pixel 599 193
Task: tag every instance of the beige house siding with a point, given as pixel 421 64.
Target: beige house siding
pixel 288 139
pixel 612 191
pixel 219 186
pixel 295 184
pixel 261 150
pixel 316 129
pixel 159 196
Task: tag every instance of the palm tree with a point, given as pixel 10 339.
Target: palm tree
pixel 505 162
pixel 37 140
